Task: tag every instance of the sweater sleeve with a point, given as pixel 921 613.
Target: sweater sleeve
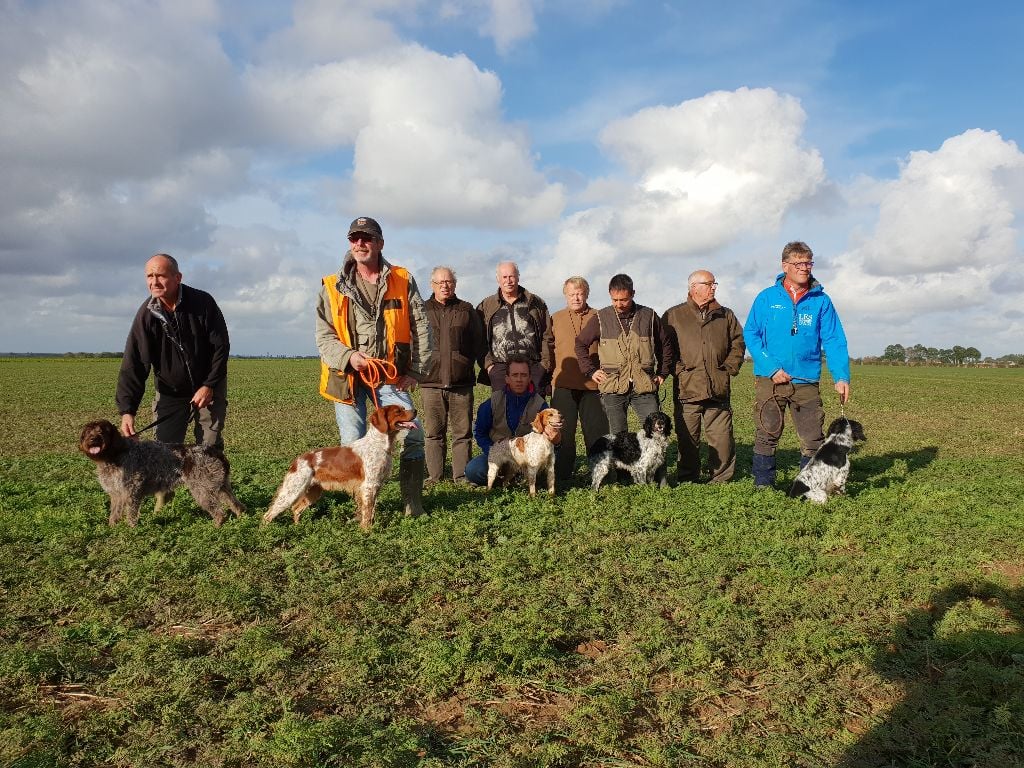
pixel 547 344
pixel 591 332
pixel 482 427
pixel 664 350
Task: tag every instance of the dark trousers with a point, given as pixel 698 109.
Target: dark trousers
pixel 715 418
pixel 615 407
pixel 770 403
pixel 585 406
pixel 208 425
pixel 445 409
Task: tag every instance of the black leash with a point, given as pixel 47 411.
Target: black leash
pixel 191 415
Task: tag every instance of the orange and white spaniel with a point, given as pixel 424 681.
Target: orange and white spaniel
pixel 361 469
pixel 530 453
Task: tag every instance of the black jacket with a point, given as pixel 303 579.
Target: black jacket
pixel 188 351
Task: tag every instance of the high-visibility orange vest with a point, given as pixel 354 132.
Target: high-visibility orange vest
pixel 339 386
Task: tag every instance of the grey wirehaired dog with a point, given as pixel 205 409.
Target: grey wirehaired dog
pixel 131 470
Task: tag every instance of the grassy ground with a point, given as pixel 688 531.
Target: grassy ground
pixel 710 626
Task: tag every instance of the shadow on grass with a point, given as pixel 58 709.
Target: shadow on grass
pixel 960 661
pixel 888 469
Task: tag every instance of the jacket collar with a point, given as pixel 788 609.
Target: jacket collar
pixel 450 301
pixel 813 287
pixel 348 269
pixel 711 306
pixel 524 295
pixel 155 305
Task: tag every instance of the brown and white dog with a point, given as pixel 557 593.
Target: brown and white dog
pixel 131 470
pixel 529 454
pixel 361 469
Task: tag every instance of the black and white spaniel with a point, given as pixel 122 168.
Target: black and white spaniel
pixel 825 474
pixel 642 453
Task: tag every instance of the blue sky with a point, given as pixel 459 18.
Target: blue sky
pixel 573 137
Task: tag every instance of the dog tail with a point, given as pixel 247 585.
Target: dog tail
pixel 296 481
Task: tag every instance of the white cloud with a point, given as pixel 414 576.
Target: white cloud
pixel 430 143
pixel 948 208
pixel 946 245
pixel 510 21
pixel 709 169
pixel 327 30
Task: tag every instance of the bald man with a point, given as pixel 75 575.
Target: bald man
pixel 180 333
pixel 516 322
pixel 708 341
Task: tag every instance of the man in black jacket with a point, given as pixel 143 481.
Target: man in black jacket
pixel 180 333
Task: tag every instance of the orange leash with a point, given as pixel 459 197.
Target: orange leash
pixel 377 371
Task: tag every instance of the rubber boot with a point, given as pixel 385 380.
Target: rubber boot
pixel 764 471
pixel 410 477
pixel 804 460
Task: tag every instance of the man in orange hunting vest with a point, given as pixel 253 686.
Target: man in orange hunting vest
pixel 372 310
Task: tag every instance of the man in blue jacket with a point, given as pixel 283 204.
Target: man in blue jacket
pixel 509 411
pixel 788 327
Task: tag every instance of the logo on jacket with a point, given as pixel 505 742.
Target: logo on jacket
pixel 805 319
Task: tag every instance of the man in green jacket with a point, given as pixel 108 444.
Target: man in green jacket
pixel 708 341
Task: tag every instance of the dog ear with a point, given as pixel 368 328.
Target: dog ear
pixel 538 421
pixel 649 425
pixel 380 419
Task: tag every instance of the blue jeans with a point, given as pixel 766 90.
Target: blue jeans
pixel 476 470
pixel 352 418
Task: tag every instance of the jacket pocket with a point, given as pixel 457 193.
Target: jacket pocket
pixel 719 382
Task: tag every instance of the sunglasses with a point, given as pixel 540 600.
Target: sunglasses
pixel 361 237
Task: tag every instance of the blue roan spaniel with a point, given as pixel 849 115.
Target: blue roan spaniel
pixel 642 453
pixel 825 474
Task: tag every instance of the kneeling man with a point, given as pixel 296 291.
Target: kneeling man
pixel 508 412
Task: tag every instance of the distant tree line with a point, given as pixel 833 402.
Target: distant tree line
pixel 919 354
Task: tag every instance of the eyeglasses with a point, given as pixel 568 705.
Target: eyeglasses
pixel 361 237
pixel 801 264
pixel 443 282
pixel 710 283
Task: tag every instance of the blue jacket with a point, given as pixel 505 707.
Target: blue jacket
pixel 781 335
pixel 514 407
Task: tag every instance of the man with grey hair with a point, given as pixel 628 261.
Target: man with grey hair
pixel 516 322
pixel 179 332
pixel 447 387
pixel 575 395
pixel 708 342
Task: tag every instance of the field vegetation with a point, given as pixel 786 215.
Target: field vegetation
pixel 706 626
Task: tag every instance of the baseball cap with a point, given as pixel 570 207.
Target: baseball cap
pixel 366 225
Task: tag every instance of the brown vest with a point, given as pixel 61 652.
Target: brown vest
pixel 627 354
pixel 499 424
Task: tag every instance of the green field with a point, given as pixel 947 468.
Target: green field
pixel 706 626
